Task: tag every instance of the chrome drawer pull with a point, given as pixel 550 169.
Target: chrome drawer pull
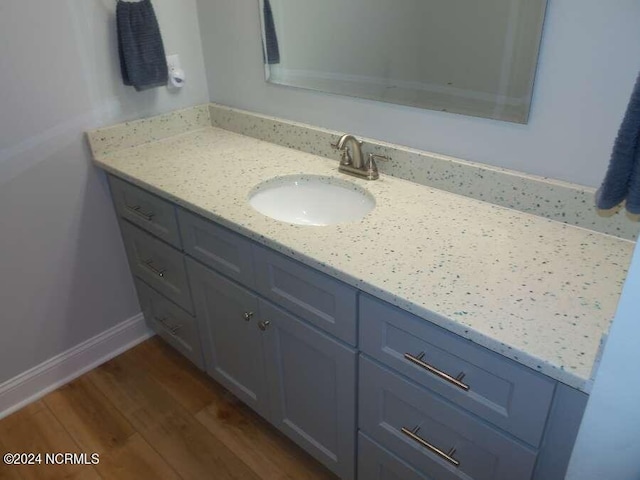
pixel 137 210
pixel 445 376
pixel 248 316
pixel 413 435
pixel 159 272
pixel 173 330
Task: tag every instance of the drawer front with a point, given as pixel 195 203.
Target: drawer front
pixel 377 463
pixel 430 433
pixel 506 394
pixel 317 298
pixel 158 264
pixel 217 247
pixel 174 325
pixel 145 210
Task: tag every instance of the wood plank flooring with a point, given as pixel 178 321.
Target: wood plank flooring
pixel 150 414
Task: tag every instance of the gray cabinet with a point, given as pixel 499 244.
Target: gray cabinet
pixel 510 396
pixel 561 433
pixel 232 340
pixel 312 388
pixel 429 432
pixel 296 376
pixel 296 346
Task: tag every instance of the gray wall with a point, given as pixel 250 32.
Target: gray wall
pixel 588 63
pixel 63 273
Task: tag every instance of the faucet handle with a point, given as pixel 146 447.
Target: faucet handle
pixel 374 156
pixel 371 168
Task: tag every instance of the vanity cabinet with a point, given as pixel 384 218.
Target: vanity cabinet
pixel 351 379
pixel 299 378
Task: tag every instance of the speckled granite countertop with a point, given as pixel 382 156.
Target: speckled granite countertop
pixel 535 290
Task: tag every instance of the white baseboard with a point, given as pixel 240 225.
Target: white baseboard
pixel 61 369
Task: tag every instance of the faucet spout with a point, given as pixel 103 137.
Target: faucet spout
pixel 358 161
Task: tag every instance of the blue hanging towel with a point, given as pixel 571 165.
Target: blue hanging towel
pixel 622 181
pixel 271 38
pixel 142 59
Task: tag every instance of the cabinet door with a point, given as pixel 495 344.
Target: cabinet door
pixel 312 388
pixel 231 339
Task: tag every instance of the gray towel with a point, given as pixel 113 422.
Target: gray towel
pixel 271 39
pixel 622 181
pixel 142 60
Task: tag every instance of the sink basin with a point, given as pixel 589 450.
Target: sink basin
pixel 311 200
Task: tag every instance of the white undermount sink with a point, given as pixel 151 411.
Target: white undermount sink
pixel 311 200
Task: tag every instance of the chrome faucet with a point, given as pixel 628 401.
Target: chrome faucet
pixel 355 165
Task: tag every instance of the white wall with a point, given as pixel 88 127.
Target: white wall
pixel 589 60
pixel 63 273
pixel 608 444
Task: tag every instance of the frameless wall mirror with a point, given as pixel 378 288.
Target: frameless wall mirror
pixel 463 56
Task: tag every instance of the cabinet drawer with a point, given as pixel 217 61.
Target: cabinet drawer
pixel 158 264
pixel 217 247
pixel 314 296
pixel 174 325
pixel 377 463
pixel 145 210
pixel 434 429
pixel 506 394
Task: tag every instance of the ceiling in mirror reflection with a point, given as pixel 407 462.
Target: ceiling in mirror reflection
pixel 460 56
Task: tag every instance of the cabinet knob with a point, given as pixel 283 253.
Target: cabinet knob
pixel 248 316
pixel 263 325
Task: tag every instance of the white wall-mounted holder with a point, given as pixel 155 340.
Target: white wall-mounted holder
pixel 176 73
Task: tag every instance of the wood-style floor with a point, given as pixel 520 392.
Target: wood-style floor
pixel 150 414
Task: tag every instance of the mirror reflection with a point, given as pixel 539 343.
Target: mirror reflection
pixel 461 56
